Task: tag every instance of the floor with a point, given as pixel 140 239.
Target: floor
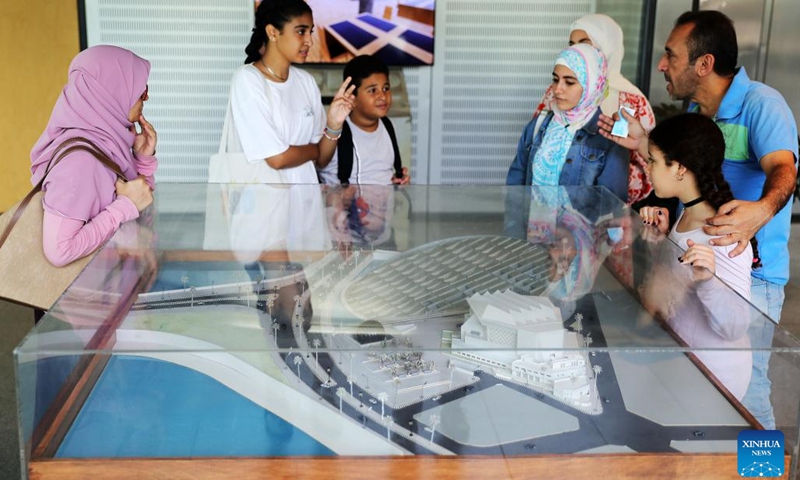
pixel 16 321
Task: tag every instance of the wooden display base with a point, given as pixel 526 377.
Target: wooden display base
pixel 617 466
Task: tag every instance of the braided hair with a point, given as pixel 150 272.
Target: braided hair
pixel 696 142
pixel 276 13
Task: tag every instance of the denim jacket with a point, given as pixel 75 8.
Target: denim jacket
pixel 591 160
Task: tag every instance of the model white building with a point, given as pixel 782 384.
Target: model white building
pixel 522 338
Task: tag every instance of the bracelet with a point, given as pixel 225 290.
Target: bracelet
pixel 332 139
pixel 332 131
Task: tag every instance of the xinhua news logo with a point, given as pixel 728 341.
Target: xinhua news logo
pixel 760 453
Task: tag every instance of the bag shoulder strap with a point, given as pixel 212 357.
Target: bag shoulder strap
pixel 344 152
pixel 398 163
pixel 226 124
pixel 67 147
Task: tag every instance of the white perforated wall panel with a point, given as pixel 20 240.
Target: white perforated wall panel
pixel 193 47
pixel 493 63
pixel 418 85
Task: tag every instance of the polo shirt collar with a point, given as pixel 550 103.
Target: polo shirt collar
pixel 733 101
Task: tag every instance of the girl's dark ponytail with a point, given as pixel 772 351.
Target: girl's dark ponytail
pixel 257 41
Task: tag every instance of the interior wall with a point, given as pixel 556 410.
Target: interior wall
pixel 37 42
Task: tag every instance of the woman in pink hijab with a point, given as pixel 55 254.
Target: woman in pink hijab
pixel 84 201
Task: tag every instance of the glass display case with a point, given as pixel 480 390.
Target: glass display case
pixel 395 332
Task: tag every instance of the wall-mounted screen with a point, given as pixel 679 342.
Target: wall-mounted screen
pixel 399 32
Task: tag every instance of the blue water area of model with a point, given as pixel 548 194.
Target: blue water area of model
pixel 149 408
pixel 171 275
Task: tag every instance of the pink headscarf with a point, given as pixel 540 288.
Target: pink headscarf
pixel 104 83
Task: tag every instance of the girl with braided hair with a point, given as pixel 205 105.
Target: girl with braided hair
pixel 684 161
pixel 276 108
pixel 685 158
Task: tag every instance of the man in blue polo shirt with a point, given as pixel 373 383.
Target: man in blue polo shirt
pixel 699 64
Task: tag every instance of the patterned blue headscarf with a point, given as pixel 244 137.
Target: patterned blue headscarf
pixel 589 66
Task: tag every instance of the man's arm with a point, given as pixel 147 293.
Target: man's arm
pixel 738 221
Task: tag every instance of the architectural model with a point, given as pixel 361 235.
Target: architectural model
pixel 443 349
pixel 523 339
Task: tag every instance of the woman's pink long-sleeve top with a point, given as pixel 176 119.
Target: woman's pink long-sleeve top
pixel 68 238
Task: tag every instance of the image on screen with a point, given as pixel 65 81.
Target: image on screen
pixel 399 32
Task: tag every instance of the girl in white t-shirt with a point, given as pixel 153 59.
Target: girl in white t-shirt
pixel 276 108
pixel 685 158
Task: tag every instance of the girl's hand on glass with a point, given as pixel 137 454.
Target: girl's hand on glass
pixel 656 216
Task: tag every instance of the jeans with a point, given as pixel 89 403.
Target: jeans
pixel 768 298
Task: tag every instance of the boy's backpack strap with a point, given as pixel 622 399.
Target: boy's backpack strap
pixel 344 151
pixel 398 164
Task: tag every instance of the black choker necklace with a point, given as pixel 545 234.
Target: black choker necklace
pixel 693 202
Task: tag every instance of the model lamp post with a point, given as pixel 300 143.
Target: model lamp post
pixel 184 279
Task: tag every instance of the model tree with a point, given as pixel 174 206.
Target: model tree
pixel 275 328
pixel 597 369
pixel 297 361
pixel 434 420
pixel 340 392
pixel 388 421
pixel 383 396
pixel 316 342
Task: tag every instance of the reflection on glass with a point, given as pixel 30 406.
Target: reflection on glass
pixel 315 321
pixel 702 311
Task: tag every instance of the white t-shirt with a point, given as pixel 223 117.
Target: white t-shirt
pixel 373 158
pixel 268 117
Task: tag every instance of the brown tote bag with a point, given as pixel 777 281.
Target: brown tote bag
pixel 27 277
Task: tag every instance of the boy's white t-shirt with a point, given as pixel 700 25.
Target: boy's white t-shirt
pixel 373 158
pixel 268 117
